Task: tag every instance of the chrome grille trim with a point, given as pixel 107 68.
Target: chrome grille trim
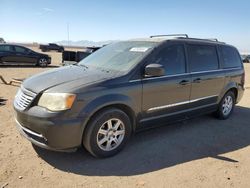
pixel 24 98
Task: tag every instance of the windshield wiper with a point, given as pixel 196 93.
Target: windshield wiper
pixel 82 65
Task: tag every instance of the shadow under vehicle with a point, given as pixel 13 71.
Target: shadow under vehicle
pixel 163 147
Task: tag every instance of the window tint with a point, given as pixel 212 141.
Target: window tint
pixel 5 48
pixel 230 57
pixel 173 59
pixel 202 58
pixel 20 49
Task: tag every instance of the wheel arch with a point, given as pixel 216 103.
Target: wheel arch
pixel 120 102
pixel 232 86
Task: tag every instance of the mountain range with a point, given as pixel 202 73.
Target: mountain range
pixel 84 43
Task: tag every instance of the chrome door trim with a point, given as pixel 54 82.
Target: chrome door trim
pixel 179 103
pixel 217 70
pixel 153 78
pixel 185 74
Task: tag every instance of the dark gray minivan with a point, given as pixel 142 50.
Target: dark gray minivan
pixel 127 86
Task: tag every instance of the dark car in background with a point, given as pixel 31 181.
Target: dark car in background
pixel 246 59
pixel 51 47
pixel 127 86
pixel 73 57
pixel 11 54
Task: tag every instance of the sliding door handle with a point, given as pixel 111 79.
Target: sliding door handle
pixel 184 82
pixel 197 80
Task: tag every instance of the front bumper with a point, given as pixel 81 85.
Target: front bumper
pixel 33 137
pixel 51 133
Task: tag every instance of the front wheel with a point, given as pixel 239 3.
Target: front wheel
pixel 226 106
pixel 107 133
pixel 43 62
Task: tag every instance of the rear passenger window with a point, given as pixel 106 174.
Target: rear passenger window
pixel 202 58
pixel 230 57
pixel 5 48
pixel 173 59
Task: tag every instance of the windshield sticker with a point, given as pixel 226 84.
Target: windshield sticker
pixel 139 49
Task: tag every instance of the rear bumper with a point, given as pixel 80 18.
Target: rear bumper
pixel 49 60
pixel 241 90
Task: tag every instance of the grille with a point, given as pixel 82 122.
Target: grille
pixel 23 98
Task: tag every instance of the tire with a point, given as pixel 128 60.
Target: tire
pixel 42 62
pixel 226 106
pixel 102 138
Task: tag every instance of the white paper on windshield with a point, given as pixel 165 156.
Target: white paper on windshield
pixel 139 49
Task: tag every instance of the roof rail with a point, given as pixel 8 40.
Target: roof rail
pixel 171 35
pixel 185 36
pixel 213 39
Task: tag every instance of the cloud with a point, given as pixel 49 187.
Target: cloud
pixel 48 10
pixel 38 14
pixel 44 11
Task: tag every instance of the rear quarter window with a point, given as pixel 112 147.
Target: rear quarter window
pixel 230 57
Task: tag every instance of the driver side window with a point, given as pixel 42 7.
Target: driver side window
pixel 172 58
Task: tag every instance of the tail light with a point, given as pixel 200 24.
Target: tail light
pixel 243 79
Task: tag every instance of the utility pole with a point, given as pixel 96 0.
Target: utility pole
pixel 68 32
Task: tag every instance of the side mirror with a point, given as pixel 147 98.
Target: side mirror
pixel 154 70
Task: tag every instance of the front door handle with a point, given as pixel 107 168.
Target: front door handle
pixel 184 82
pixel 197 80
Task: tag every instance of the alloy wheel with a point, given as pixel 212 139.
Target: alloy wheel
pixel 43 62
pixel 110 134
pixel 227 105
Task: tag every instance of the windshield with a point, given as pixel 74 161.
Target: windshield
pixel 120 56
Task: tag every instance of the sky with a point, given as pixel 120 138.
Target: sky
pixel 99 20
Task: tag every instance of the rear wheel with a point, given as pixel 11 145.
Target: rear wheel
pixel 43 62
pixel 107 133
pixel 226 106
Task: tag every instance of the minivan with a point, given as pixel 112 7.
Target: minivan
pixel 128 86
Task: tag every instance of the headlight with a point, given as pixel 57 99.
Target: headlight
pixel 56 101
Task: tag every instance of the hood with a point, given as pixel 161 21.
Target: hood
pixel 59 76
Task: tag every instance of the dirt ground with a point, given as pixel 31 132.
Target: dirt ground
pixel 202 152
